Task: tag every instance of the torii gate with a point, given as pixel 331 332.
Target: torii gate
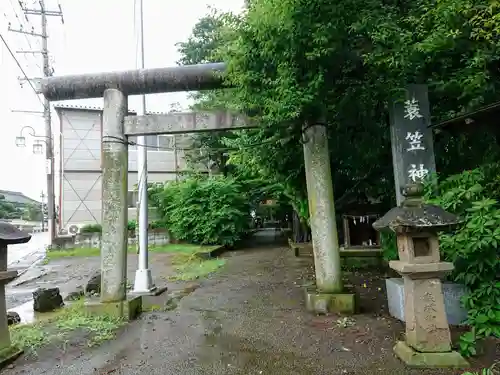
pixel 115 87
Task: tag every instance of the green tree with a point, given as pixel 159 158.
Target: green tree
pixel 292 62
pixel 33 212
pixel 7 209
pixel 201 47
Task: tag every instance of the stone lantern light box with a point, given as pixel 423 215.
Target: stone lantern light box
pixel 9 235
pixel 416 225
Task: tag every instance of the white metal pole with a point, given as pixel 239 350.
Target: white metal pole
pixel 143 278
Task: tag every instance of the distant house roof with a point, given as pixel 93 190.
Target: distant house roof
pixel 468 120
pixel 59 107
pixel 17 197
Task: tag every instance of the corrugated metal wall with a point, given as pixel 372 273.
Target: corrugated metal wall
pixel 81 166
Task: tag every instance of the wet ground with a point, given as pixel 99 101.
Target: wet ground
pixel 69 273
pixel 18 254
pixel 247 319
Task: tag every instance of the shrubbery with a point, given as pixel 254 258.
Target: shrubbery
pixel 474 246
pixel 131 225
pixel 207 211
pixel 91 228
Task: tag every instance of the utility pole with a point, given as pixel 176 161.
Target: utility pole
pixel 42 208
pixel 143 278
pixel 176 159
pixel 47 72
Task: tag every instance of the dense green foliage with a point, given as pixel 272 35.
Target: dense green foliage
pixel 293 62
pixel 389 246
pixel 474 246
pixel 485 371
pixel 206 211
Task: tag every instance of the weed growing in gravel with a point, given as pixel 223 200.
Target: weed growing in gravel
pixel 190 267
pixel 95 328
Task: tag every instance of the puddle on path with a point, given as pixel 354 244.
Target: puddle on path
pixel 26 312
pixel 28 315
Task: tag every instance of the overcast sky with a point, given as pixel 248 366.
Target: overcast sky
pixel 97 36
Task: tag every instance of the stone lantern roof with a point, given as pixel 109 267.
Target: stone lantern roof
pixel 416 216
pixel 10 235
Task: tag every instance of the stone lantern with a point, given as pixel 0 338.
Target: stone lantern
pixel 9 235
pixel 428 341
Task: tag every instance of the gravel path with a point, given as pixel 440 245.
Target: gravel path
pixel 247 319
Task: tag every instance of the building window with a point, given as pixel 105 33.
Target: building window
pixel 132 197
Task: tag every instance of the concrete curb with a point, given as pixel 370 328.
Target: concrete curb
pixel 9 355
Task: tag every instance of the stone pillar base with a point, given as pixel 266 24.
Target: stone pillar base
pixel 155 291
pixel 413 358
pixel 324 303
pixel 129 309
pixel 9 355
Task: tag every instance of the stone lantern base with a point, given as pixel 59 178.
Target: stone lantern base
pixel 428 339
pixel 412 358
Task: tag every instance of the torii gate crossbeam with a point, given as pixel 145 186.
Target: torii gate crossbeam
pixel 133 82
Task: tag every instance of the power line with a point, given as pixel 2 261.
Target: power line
pixel 47 71
pixel 16 14
pixel 25 75
pixel 20 68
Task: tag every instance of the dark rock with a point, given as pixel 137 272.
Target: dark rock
pixel 93 286
pixel 45 300
pixel 13 318
pixel 76 294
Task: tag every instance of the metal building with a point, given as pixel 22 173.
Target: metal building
pixel 80 165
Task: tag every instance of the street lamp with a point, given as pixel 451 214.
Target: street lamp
pixel 20 141
pixel 37 146
pixel 38 150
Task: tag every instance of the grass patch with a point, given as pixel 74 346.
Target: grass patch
pixel 195 268
pixel 95 328
pixel 181 248
pixel 94 251
pixel 77 252
pixel 187 265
